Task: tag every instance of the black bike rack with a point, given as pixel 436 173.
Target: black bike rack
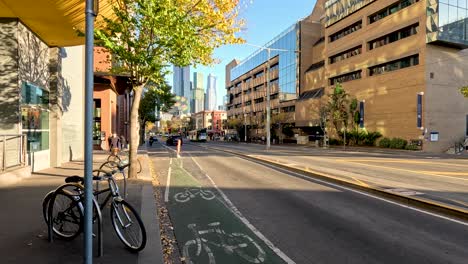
pixel 50 232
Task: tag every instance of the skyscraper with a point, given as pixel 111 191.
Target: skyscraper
pixel 211 93
pixel 181 82
pixel 198 93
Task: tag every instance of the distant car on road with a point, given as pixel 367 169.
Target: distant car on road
pixel 172 140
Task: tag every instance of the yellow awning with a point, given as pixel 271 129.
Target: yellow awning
pixel 55 22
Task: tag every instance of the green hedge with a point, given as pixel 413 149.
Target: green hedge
pixel 384 142
pixel 361 137
pixel 398 143
pixel 394 143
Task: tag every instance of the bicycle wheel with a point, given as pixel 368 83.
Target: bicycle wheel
pixel 128 226
pixel 192 251
pixel 67 215
pixel 114 158
pixel 108 165
pixel 45 206
pixel 46 200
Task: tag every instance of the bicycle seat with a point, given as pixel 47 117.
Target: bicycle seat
pixel 79 179
pixel 74 178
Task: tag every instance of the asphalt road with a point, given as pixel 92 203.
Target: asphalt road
pixel 441 178
pixel 307 221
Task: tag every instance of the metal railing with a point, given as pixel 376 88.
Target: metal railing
pixel 13 151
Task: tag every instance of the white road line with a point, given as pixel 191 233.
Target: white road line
pixel 355 191
pixel 368 195
pixel 244 220
pixel 166 194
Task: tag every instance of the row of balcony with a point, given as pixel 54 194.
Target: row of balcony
pixel 254 82
pixel 255 107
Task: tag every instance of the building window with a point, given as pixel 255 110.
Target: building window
pixel 274 96
pixel 394 65
pixel 238 84
pixel 275 81
pixel 259 74
pixel 320 40
pixel 394 36
pixel 258 87
pixel 346 54
pixel 35 116
pixel 258 100
pixel 346 77
pixel 315 93
pixel 248 103
pixel 97 122
pixel 289 109
pixel 274 67
pixel 390 10
pixel 316 66
pixel 346 31
pixel 247 81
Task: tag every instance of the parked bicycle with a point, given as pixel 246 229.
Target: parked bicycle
pixel 123 157
pixel 232 243
pixel 67 210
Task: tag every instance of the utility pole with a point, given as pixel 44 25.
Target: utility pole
pixel 268 101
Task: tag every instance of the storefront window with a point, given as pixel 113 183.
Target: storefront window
pixel 97 137
pixel 35 116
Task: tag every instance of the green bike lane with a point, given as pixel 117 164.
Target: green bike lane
pixel 208 228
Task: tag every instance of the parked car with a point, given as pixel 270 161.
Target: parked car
pixel 172 140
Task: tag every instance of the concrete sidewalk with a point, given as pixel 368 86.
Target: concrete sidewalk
pixel 23 232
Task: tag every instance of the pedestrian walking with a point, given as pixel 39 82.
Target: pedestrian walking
pixel 115 143
pixel 123 142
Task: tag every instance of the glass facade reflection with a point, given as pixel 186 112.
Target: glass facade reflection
pixel 35 116
pixel 288 61
pixel 447 21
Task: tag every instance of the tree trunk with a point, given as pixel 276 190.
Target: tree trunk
pixel 134 129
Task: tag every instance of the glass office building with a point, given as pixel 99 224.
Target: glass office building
pixel 285 46
pixel 448 22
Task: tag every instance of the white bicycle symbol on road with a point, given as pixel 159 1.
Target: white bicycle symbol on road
pixel 191 193
pixel 238 243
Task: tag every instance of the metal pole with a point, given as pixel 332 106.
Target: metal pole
pixel 243 110
pixel 245 127
pixel 88 157
pixel 4 154
pixel 268 102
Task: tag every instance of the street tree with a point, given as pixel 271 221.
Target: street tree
pixel 156 97
pixel 280 120
pixel 464 91
pixel 324 118
pixel 354 113
pixel 145 36
pixel 338 109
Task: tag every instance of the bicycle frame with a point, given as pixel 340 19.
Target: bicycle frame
pixel 113 192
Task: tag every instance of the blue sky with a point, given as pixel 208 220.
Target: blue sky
pixel 264 20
